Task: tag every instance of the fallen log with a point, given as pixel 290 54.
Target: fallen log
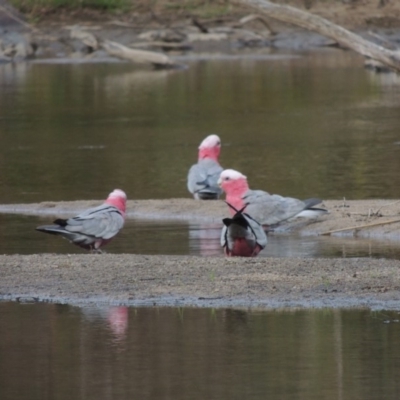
pixel 137 56
pixel 324 27
pixel 166 46
pixel 87 38
pixel 357 228
pixel 118 50
pixel 252 17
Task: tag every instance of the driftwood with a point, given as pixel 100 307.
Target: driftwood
pixel 87 38
pixel 115 49
pixel 253 17
pixel 326 28
pixel 11 13
pixel 166 46
pixel 356 228
pixel 199 25
pixel 137 56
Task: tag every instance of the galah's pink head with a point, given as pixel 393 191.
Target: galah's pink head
pixel 117 198
pixel 210 147
pixel 233 182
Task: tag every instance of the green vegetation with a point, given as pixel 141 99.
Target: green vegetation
pixel 31 5
pixel 200 8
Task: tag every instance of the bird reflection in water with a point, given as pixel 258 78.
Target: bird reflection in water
pixel 117 319
pixel 204 239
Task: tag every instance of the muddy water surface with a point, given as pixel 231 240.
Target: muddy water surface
pixel 301 125
pixel 127 353
pixel 182 238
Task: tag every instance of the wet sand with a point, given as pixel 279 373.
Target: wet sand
pixel 141 280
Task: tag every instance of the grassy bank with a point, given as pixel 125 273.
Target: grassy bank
pixel 35 5
pixel 346 13
pixel 203 6
pixel 199 8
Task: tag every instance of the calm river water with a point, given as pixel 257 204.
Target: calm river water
pixel 313 125
pixel 155 353
pixel 302 126
pixel 298 125
pixel 176 238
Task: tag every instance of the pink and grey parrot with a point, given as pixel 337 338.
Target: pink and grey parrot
pixel 267 209
pixel 203 176
pixel 94 227
pixel 242 235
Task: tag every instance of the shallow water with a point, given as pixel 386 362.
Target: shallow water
pixel 300 125
pixel 181 238
pixel 304 125
pixel 153 353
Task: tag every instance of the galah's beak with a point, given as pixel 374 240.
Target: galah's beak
pixel 219 181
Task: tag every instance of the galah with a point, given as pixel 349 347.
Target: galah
pixel 203 176
pixel 267 209
pixel 242 235
pixel 94 227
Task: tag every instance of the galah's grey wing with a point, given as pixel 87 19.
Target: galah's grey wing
pixel 312 202
pixel 74 237
pixel 242 225
pixel 102 222
pixel 197 175
pixel 257 230
pixel 213 172
pixel 89 229
pixel 203 179
pixel 224 236
pixel 271 209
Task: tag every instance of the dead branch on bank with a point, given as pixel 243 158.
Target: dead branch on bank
pixel 137 56
pixel 357 228
pixel 326 28
pixel 118 50
pixel 252 17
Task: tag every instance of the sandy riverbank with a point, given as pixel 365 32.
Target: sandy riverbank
pixel 139 280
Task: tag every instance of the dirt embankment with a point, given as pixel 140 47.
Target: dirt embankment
pixel 175 28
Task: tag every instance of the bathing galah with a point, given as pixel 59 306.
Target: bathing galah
pixel 242 235
pixel 267 209
pixel 203 176
pixel 94 227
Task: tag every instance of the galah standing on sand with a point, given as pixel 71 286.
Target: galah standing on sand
pixel 267 209
pixel 94 227
pixel 242 235
pixel 203 176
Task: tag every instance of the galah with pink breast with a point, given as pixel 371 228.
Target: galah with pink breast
pixel 242 235
pixel 94 227
pixel 202 180
pixel 267 209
